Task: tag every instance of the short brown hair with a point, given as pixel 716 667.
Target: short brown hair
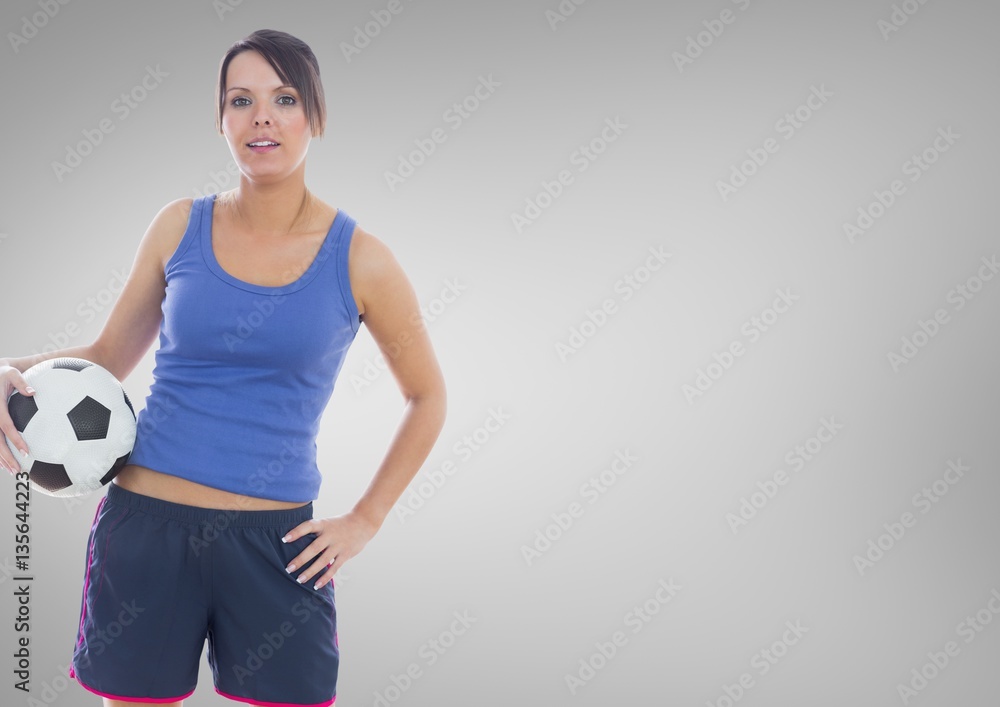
pixel 295 64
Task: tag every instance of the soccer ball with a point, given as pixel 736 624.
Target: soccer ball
pixel 79 425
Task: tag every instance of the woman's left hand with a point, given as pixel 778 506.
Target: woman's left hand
pixel 338 539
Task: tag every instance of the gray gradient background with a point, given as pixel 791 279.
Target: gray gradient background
pixel 665 518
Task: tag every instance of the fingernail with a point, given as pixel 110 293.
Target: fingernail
pixel 300 580
pixel 29 389
pixel 290 568
pixel 284 539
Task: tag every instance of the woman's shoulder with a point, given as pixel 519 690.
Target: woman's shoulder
pixel 367 251
pixel 374 270
pixel 168 228
pixel 369 255
pixel 178 210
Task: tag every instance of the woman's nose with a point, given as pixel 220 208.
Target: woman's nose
pixel 263 114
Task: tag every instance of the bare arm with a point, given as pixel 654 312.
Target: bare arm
pixel 389 308
pixel 132 324
pixel 25 362
pixel 392 314
pixel 134 319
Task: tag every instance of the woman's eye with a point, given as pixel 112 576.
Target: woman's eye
pixel 291 100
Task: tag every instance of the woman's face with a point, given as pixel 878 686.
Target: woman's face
pixel 257 106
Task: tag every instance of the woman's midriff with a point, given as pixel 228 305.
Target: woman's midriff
pixel 148 482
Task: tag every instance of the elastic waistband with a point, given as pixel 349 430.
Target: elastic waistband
pixel 284 517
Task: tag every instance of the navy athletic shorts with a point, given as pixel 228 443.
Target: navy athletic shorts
pixel 162 576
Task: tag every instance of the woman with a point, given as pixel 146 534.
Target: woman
pixel 257 294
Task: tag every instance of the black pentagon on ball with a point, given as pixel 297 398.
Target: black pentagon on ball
pixel 72 364
pixel 128 402
pixel 90 419
pixel 51 477
pixel 21 409
pixel 115 468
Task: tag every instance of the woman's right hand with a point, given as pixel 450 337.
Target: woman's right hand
pixel 11 380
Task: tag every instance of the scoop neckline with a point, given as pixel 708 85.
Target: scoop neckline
pixel 325 252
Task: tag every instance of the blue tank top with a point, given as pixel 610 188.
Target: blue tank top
pixel 243 372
